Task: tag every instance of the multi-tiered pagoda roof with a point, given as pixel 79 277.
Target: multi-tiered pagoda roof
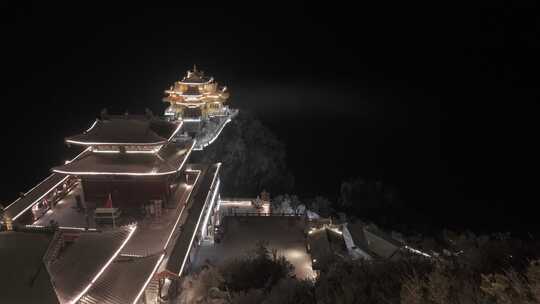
pixel 196 90
pixel 128 145
pixel 168 160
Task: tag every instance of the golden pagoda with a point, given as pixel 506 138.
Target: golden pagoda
pixel 196 97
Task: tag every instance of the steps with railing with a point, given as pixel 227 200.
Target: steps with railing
pixel 55 245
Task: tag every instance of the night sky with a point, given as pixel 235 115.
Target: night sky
pixel 440 102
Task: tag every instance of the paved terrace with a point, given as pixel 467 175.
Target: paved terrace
pixel 34 195
pixel 152 233
pixel 155 234
pixel 66 214
pixel 242 233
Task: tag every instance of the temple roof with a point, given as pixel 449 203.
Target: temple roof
pixel 170 159
pixel 81 263
pixel 24 277
pixel 111 288
pixel 195 77
pixel 38 267
pixel 126 130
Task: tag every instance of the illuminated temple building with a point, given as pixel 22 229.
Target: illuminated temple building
pixel 195 96
pixel 121 222
pixel 200 103
pixel 130 158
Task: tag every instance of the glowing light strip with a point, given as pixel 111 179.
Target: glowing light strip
pixel 336 231
pixel 176 131
pixel 194 171
pixel 43 181
pixel 212 201
pixel 196 228
pixel 190 244
pixel 29 191
pixel 235 203
pixel 154 151
pixel 215 137
pixel 93 125
pixel 62 227
pixel 417 251
pixel 77 228
pixel 197 83
pixel 40 198
pixel 128 255
pixel 176 96
pixel 115 173
pixel 219 132
pixel 85 143
pixel 78 297
pixel 149 278
pixel 182 211
pixel 188 153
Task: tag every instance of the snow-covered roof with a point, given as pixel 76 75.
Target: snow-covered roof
pixel 126 130
pixel 312 215
pixel 81 263
pixel 169 160
pixel 123 281
pixel 24 277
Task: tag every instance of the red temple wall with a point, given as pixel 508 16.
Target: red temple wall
pixel 125 192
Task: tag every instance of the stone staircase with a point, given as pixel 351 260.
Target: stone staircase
pixel 151 293
pixel 55 245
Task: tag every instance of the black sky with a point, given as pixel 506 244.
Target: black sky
pixel 437 100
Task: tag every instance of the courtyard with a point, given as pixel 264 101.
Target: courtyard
pixel 241 234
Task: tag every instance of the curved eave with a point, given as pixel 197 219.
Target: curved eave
pixel 116 173
pixel 209 81
pixel 181 95
pixel 87 143
pixel 132 132
pixel 152 172
pixel 198 103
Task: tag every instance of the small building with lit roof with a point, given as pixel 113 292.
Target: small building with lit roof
pixel 196 96
pixel 199 102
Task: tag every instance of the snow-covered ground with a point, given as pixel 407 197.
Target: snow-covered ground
pixel 242 233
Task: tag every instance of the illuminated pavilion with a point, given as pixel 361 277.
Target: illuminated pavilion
pixel 196 97
pixel 200 104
